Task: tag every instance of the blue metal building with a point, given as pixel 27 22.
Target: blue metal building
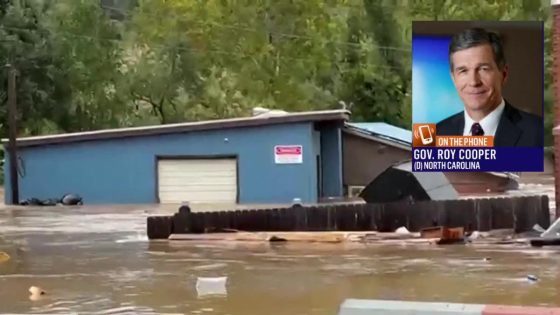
pixel 270 159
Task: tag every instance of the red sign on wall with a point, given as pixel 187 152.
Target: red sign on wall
pixel 288 154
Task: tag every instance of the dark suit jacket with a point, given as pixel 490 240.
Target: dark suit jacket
pixel 515 129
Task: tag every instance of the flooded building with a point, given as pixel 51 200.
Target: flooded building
pixel 272 157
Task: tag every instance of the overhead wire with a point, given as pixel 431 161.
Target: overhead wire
pixel 248 29
pixel 219 51
pixel 176 48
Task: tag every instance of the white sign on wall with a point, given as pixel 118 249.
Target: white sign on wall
pixel 288 154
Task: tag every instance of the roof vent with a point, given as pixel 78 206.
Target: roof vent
pixel 262 112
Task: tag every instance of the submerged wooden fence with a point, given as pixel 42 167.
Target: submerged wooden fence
pixel 519 213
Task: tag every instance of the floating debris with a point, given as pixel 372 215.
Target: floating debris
pixel 4 257
pixel 275 238
pixel 538 228
pixel 402 230
pixel 532 278
pixel 444 234
pixel 36 290
pixel 210 266
pixel 211 286
pixel 36 293
pixel 473 236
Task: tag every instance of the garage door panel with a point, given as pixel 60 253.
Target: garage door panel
pixel 197 180
pixel 200 198
pixel 181 171
pixel 197 188
pixel 200 169
pixel 197 174
pixel 194 164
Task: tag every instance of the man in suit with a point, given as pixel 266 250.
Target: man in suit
pixel 479 72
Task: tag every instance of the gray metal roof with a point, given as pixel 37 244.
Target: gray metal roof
pixel 436 184
pixel 260 120
pixel 385 130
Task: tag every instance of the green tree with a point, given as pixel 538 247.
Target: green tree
pixel 378 76
pixel 65 71
pixel 265 53
pixel 159 72
pixel 88 66
pixel 26 43
pixel 88 43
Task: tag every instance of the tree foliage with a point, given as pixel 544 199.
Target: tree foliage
pixel 86 66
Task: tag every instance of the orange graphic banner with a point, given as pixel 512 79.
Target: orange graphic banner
pixel 464 141
pixel 425 135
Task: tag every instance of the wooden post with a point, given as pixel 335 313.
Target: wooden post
pixel 12 148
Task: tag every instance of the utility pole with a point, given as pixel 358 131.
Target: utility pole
pixel 12 113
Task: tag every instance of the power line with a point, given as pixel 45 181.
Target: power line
pixel 217 51
pixel 247 29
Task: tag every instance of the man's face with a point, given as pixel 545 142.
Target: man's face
pixel 477 78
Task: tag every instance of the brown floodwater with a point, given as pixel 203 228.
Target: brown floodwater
pixel 98 260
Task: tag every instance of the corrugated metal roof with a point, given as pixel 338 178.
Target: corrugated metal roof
pixel 385 130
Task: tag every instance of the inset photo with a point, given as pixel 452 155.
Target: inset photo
pixel 480 78
pixel 478 86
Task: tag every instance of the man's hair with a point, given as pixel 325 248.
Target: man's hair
pixel 475 37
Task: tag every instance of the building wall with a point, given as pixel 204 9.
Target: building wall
pixel 331 160
pixel 123 170
pixel 466 183
pixel 365 159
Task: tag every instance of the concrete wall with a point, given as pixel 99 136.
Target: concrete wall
pixel 383 307
pixel 124 171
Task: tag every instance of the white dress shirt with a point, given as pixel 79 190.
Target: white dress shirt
pixel 489 123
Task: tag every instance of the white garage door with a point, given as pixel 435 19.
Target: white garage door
pixel 197 181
